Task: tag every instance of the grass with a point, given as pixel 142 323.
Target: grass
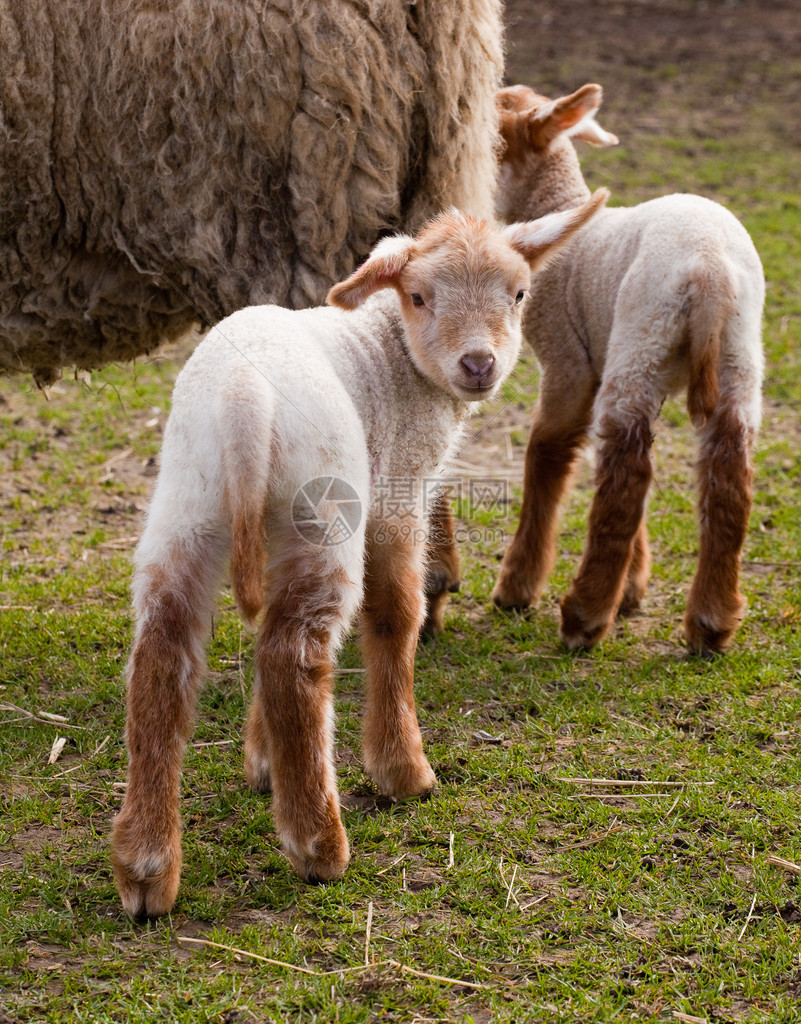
pixel 557 899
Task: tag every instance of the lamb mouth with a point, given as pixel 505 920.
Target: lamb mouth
pixel 477 391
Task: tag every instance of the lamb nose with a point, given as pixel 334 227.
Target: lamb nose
pixel 478 365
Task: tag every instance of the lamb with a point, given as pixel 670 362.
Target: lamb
pixel 163 165
pixel 644 303
pixel 281 422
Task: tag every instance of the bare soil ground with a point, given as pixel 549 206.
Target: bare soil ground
pixel 645 52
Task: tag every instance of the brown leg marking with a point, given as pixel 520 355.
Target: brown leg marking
pixel 639 571
pixel 715 606
pixel 443 569
pixel 391 616
pixel 164 673
pixel 528 561
pixel 257 749
pixel 290 729
pixel 623 476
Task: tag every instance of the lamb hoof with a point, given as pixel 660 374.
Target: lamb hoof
pixel 412 780
pixel 323 860
pixel 631 600
pixel 439 584
pixel 704 639
pixel 147 881
pixel 435 616
pixel 708 633
pixel 576 631
pixel 511 594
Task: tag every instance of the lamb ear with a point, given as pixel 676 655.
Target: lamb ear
pixel 563 114
pixel 588 130
pixel 539 239
pixel 381 269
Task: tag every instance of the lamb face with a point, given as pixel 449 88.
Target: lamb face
pixel 461 284
pixel 461 295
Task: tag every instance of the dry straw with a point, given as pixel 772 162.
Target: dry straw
pixel 403 968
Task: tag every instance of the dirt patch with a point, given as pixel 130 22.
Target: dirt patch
pixel 100 514
pixel 643 53
pixel 34 839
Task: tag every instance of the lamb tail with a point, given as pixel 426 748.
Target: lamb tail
pixel 249 458
pixel 712 303
pixel 247 555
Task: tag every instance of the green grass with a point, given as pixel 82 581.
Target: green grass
pixel 563 902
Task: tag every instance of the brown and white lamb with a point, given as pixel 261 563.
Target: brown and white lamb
pixel 279 420
pixel 645 302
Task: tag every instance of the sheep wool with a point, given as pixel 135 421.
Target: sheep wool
pixel 163 164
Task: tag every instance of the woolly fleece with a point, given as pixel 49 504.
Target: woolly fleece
pixel 165 163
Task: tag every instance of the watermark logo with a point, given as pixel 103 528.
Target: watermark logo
pixel 400 498
pixel 326 511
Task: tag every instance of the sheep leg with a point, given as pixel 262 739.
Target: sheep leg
pixel 391 617
pixel 444 569
pixel 174 601
pixel 290 731
pixel 715 605
pixel 623 476
pixel 638 574
pixel 257 746
pixel 558 431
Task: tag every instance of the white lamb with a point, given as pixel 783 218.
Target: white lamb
pixel 644 302
pixel 281 420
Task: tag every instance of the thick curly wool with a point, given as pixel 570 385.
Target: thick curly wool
pixel 164 163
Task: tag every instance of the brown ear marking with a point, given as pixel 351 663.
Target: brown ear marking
pixel 380 270
pixel 547 122
pixel 567 110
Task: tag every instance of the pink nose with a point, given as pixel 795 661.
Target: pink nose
pixel 478 365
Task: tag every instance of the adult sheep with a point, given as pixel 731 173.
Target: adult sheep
pixel 164 163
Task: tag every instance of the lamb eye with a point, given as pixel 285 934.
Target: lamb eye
pixel 417 299
pixel 520 296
